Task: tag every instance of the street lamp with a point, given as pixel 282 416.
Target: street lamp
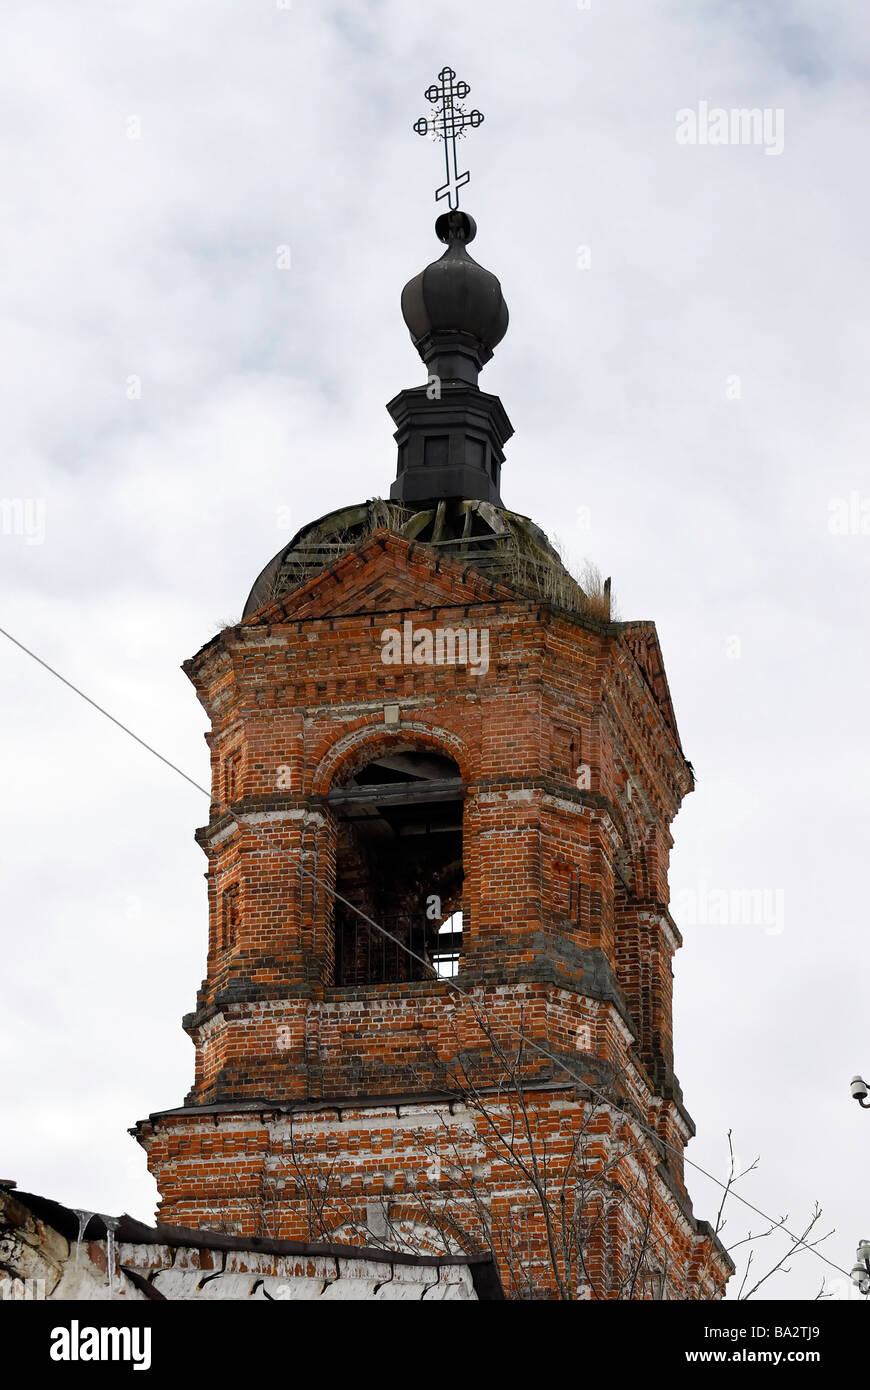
pixel 861 1270
pixel 860 1092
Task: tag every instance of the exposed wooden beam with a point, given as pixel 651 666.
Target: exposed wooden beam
pixel 397 793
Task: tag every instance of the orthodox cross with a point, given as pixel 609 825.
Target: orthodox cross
pixel 449 123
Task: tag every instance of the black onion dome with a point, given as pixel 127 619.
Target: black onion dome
pixel 455 303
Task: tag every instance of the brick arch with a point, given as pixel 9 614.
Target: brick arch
pixel 352 752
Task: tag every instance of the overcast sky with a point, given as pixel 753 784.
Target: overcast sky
pixel 686 371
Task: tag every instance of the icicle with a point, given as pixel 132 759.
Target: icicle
pixel 84 1221
pixel 111 1223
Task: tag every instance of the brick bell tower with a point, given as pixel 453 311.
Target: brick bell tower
pixel 437 1007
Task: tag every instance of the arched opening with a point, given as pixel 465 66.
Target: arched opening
pixel 399 860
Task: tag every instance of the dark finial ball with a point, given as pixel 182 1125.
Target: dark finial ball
pixel 455 226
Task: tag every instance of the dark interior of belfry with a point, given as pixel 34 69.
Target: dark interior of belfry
pixel 399 861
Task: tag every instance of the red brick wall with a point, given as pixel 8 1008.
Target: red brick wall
pixel 432 1176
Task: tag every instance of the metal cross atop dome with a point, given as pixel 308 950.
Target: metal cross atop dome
pixel 449 123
